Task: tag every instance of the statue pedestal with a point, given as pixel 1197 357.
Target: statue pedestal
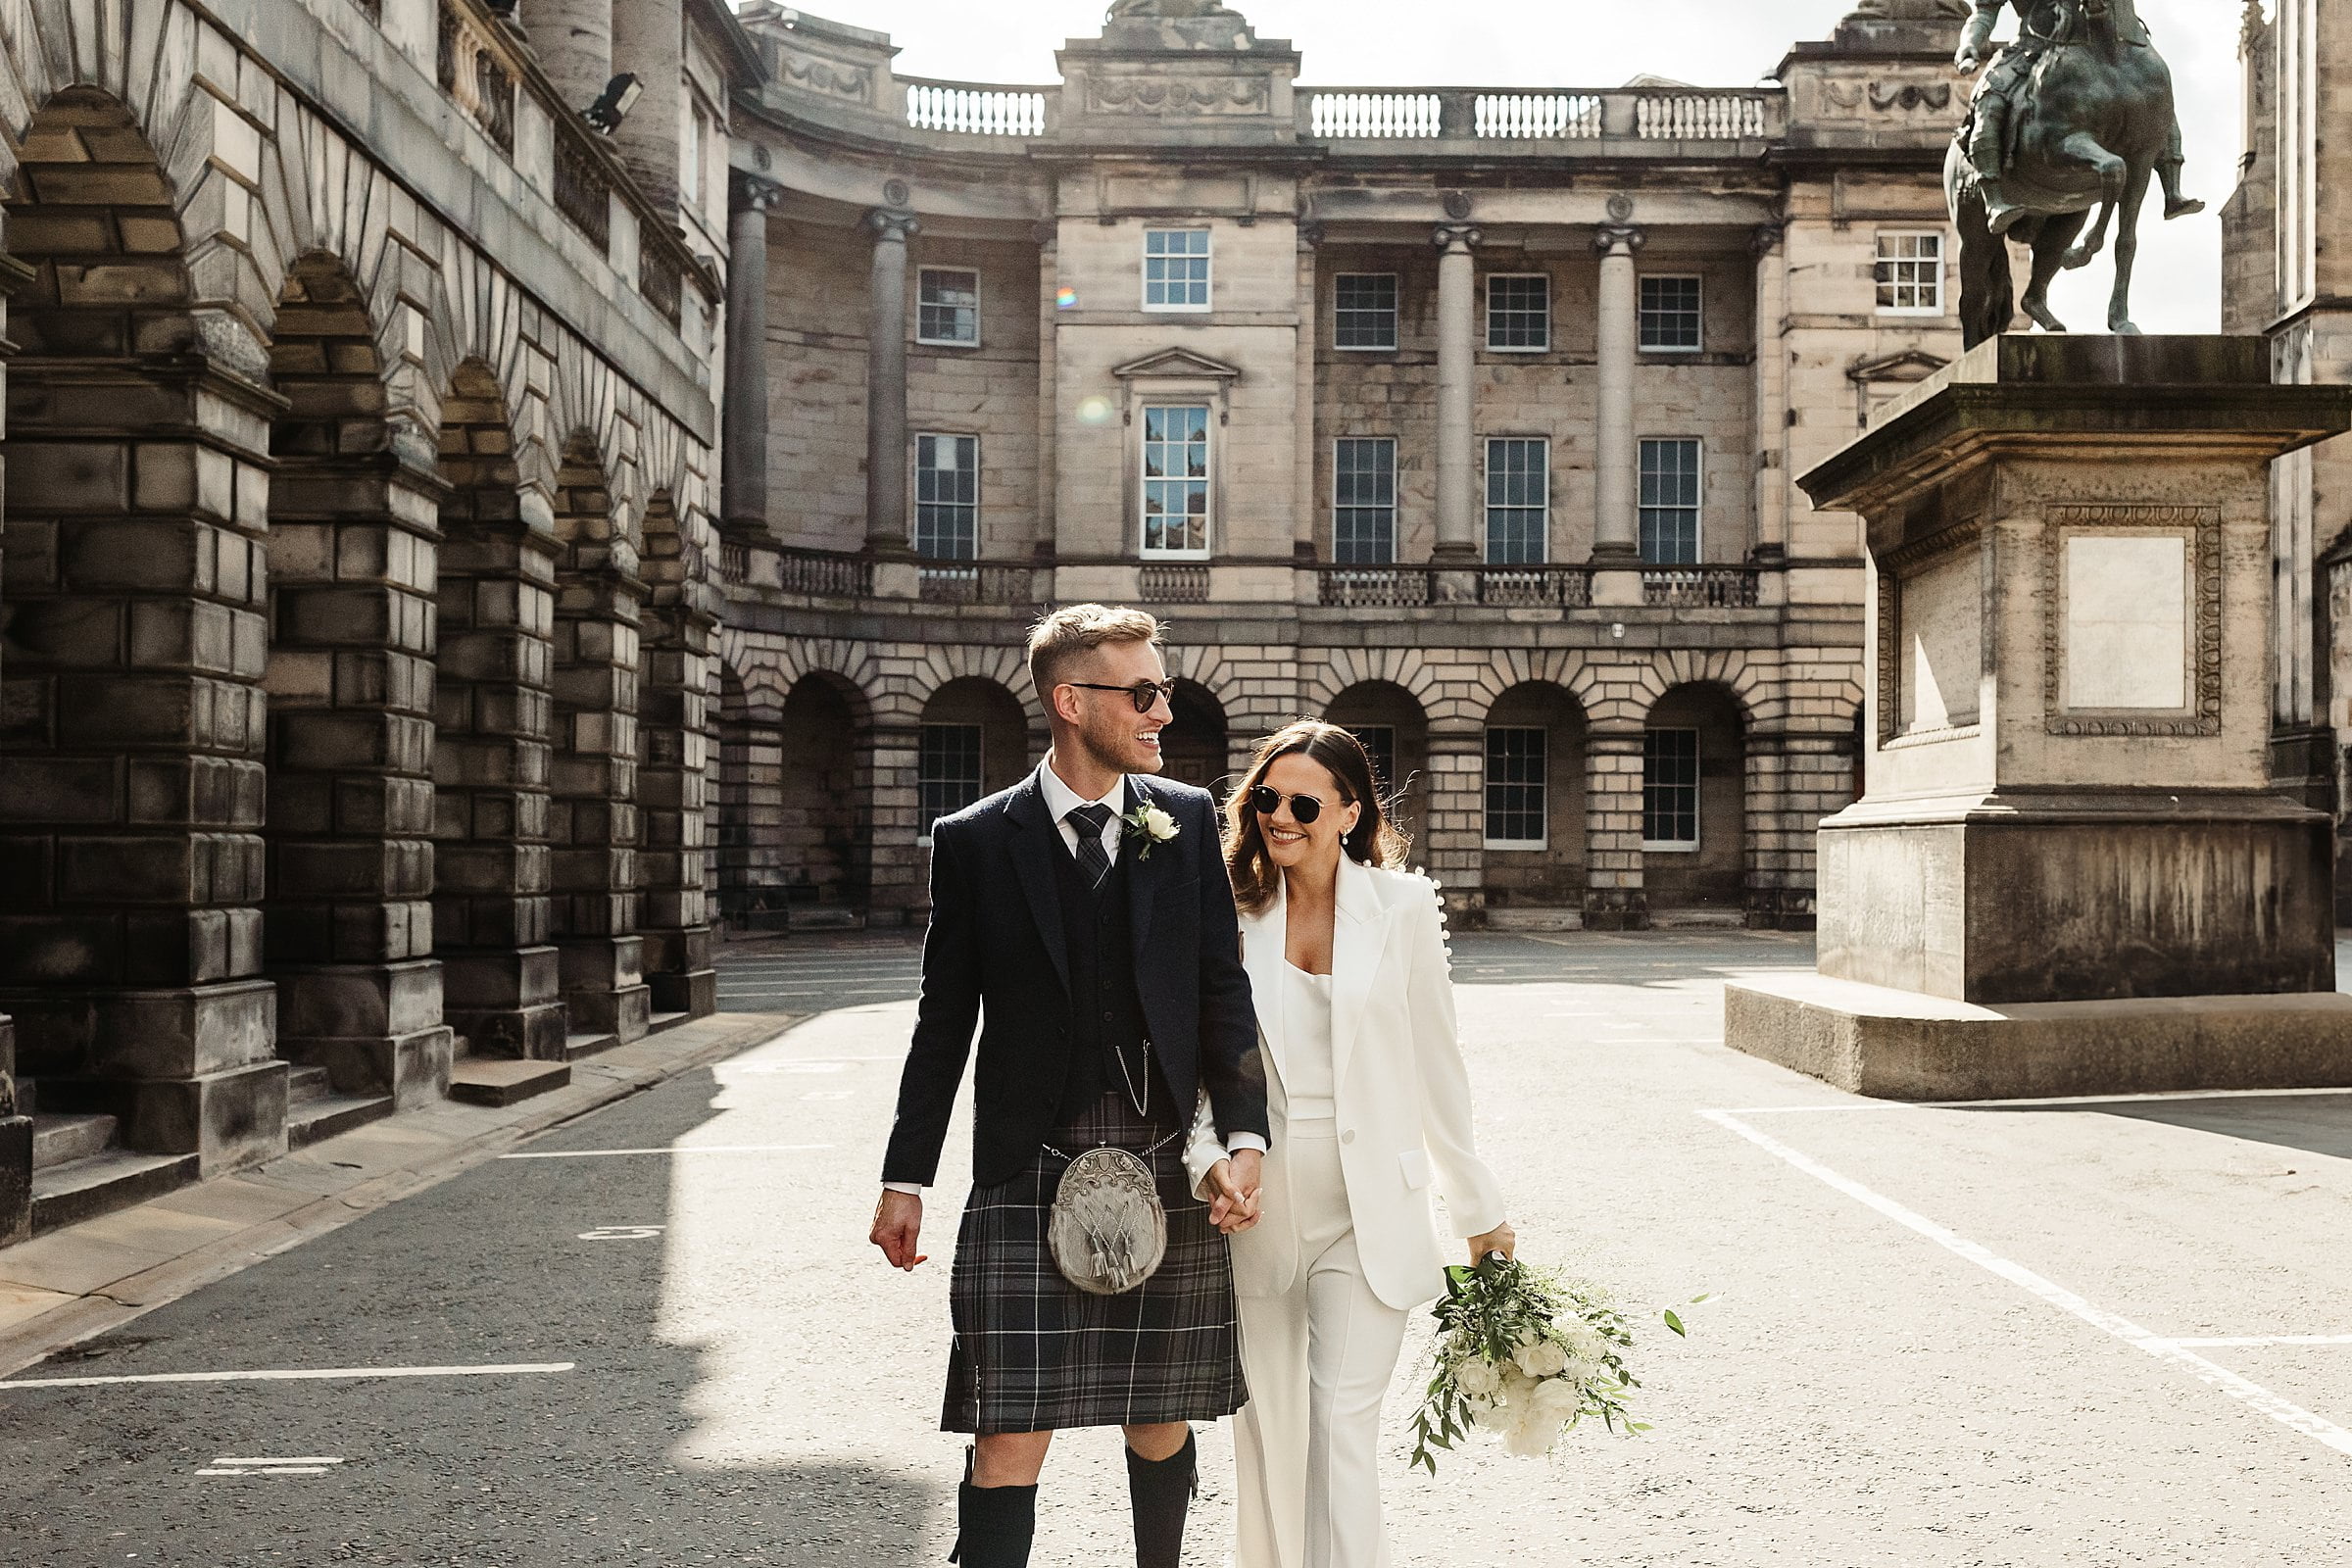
pixel 2069 874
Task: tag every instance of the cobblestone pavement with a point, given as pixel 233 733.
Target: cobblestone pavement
pixel 2076 1333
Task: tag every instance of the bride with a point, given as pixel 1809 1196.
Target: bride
pixel 1369 1100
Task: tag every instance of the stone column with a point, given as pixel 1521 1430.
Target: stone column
pixel 743 454
pixel 574 40
pixel 348 927
pixel 1614 899
pixel 649 39
pixel 1770 546
pixel 1458 474
pixel 1616 532
pixel 1453 844
pixel 886 458
pixel 677 712
pixel 137 598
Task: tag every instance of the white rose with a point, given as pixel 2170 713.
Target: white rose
pixel 1160 824
pixel 1517 1387
pixel 1477 1379
pixel 1584 1344
pixel 1556 1400
pixel 1543 1359
pixel 1531 1436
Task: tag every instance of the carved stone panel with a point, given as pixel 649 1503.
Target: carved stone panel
pixel 2132 620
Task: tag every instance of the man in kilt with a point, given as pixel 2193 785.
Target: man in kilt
pixel 1084 920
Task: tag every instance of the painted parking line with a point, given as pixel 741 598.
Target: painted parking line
pixel 297 1374
pixel 2244 1389
pixel 2266 1339
pixel 670 1148
pixel 314 1465
pixel 2034 1103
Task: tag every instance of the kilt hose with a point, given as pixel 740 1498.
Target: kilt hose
pixel 1035 1354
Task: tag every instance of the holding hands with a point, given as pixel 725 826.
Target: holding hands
pixel 1234 1183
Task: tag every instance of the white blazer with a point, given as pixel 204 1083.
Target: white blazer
pixel 1403 1094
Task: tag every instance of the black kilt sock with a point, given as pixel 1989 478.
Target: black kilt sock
pixel 994 1524
pixel 1160 1491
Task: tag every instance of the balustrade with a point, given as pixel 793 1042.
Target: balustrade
pixel 473 74
pixel 1379 114
pixel 979 583
pixel 1374 587
pixel 1699 587
pixel 1173 584
pixel 825 574
pixel 1565 587
pixel 970 110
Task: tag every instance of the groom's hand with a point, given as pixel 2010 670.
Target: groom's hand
pixel 1235 1180
pixel 898 1223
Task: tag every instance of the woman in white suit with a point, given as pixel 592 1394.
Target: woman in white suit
pixel 1369 1100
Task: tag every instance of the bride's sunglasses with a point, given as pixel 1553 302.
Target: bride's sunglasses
pixel 1265 800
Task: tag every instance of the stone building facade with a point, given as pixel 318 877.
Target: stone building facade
pixel 2286 254
pixel 1465 418
pixel 359 589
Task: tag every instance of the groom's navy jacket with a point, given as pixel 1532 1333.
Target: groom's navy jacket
pixel 995 956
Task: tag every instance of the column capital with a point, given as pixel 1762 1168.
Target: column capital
pixel 890 224
pixel 1765 238
pixel 1612 238
pixel 1456 239
pixel 749 192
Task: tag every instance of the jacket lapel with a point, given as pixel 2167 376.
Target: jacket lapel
pixel 1357 936
pixel 1034 847
pixel 1261 955
pixel 1143 876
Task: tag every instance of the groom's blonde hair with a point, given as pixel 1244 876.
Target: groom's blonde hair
pixel 1067 635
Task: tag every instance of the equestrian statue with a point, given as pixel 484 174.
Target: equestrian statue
pixel 2075 114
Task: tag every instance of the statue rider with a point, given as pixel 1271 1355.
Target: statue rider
pixel 2043 25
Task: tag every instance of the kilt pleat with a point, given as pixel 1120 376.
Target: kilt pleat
pixel 1035 1354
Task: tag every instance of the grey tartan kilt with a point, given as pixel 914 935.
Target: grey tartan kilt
pixel 1035 1354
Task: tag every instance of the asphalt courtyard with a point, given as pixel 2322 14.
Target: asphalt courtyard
pixel 2085 1332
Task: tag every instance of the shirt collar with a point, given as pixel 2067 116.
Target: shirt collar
pixel 1060 798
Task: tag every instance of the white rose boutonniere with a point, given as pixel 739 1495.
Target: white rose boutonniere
pixel 1150 828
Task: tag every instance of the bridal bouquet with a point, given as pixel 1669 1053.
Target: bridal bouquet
pixel 1524 1354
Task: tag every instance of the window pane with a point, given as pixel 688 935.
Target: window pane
pixel 1910 271
pixel 1367 311
pixel 1176 267
pixel 1670 786
pixel 1175 479
pixel 1670 480
pixel 948 306
pixel 1518 496
pixel 1363 522
pixel 1518 311
pixel 1515 786
pixel 947 497
pixel 1670 314
pixel 947 773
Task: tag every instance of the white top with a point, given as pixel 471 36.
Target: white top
pixel 1061 800
pixel 1307 1084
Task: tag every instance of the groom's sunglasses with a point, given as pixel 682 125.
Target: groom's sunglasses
pixel 1143 693
pixel 1265 800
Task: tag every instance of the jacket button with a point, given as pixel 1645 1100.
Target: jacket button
pixel 1106 1015
pixel 1348 1137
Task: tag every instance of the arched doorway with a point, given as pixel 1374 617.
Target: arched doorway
pixel 1533 808
pixel 973 742
pixel 823 863
pixel 1394 730
pixel 1192 748
pixel 1695 802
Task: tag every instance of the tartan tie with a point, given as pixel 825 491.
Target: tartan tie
pixel 1088 820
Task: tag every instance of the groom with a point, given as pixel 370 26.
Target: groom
pixel 1086 913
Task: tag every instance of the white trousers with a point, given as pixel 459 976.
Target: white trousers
pixel 1319 1358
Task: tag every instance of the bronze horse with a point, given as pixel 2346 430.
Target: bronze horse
pixel 2094 122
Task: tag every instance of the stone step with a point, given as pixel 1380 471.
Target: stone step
pixel 822 917
pixel 1534 920
pixel 84 1189
pixel 59 1138
pixel 576 1045
pixel 1698 920
pixel 667 1020
pixel 496 1081
pixel 306 1082
pixel 323 1115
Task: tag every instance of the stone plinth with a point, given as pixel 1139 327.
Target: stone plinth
pixel 2068 874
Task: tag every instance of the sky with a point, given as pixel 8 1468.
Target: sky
pixel 1592 43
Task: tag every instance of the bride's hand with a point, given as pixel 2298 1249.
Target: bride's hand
pixel 1234 1207
pixel 1501 1238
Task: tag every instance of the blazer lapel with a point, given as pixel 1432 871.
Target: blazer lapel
pixel 1261 955
pixel 1033 849
pixel 1142 872
pixel 1359 935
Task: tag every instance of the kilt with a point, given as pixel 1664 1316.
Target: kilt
pixel 1035 1354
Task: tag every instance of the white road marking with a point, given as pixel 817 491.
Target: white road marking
pixel 2221 1377
pixel 316 1465
pixel 684 1148
pixel 297 1374
pixel 621 1233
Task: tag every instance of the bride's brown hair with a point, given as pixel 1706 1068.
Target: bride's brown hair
pixel 1375 839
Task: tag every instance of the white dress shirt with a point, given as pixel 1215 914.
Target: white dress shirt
pixel 1062 801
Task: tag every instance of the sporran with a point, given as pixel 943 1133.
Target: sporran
pixel 1106 1230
